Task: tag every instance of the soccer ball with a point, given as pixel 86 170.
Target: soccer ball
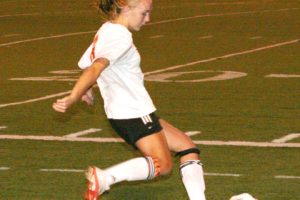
pixel 244 196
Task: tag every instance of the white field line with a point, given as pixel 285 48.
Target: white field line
pixel 287 138
pixel 203 4
pixel 227 3
pixel 153 23
pixel 117 140
pixel 255 37
pixel 2 127
pixel 220 15
pixel 81 133
pixel 18 15
pixel 44 38
pixel 67 72
pixel 225 56
pixel 51 78
pixel 286 177
pixel 247 144
pixel 192 133
pixel 59 138
pixel 81 171
pixel 225 75
pixel 62 170
pixel 222 174
pixel 205 174
pixel 35 100
pixel 156 36
pixel 13 1
pixel 205 37
pixel 170 68
pixel 283 76
pixel 11 35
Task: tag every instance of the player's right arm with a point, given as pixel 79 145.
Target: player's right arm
pixel 87 79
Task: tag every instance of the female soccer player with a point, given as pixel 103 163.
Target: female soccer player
pixel 113 61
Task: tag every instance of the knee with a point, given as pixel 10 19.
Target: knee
pixel 158 166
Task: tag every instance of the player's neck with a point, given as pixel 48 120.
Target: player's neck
pixel 120 20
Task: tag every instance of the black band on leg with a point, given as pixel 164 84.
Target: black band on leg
pixel 190 162
pixel 187 151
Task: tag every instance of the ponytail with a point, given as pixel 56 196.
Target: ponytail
pixel 111 8
pixel 105 6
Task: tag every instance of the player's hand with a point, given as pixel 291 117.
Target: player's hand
pixel 88 97
pixel 61 105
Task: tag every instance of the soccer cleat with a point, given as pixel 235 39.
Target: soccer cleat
pixel 97 183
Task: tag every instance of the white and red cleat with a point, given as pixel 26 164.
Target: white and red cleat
pixel 96 183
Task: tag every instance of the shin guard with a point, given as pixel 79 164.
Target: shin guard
pixel 193 180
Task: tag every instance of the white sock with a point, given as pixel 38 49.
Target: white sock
pixel 142 168
pixel 193 180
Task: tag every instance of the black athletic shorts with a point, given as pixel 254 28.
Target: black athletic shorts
pixel 131 130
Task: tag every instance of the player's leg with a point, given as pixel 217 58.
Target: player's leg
pixel 190 165
pixel 156 161
pixel 150 141
pixel 178 141
pixel 156 147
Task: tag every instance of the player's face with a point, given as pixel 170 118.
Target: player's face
pixel 139 15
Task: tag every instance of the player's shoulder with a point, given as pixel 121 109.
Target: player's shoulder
pixel 114 31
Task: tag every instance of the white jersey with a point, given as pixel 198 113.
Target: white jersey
pixel 122 82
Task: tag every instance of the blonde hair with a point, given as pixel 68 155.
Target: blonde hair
pixel 112 8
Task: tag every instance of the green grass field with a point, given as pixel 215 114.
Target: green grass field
pixel 227 70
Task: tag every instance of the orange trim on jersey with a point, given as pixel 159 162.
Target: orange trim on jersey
pixel 92 56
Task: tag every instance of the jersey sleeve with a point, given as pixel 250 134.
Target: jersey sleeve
pixel 111 47
pixel 110 43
